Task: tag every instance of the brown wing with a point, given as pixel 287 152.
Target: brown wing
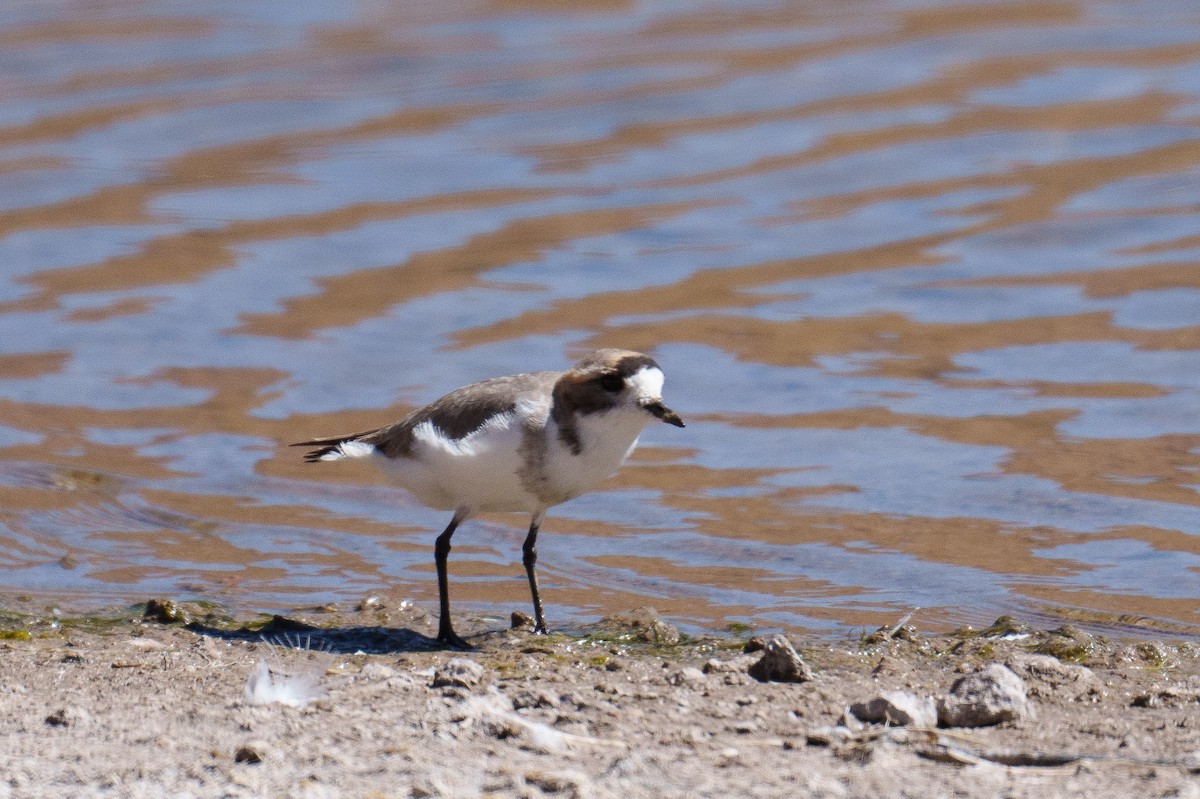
pixel 456 415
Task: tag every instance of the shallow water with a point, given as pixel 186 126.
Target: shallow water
pixel 924 278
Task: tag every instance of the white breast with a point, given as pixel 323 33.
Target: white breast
pixel 607 439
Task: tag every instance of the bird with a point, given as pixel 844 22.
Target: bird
pixel 519 443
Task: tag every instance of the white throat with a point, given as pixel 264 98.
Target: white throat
pixel 606 439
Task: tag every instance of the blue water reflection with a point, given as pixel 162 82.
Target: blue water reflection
pixel 921 281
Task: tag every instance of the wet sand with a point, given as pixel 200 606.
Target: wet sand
pixel 130 706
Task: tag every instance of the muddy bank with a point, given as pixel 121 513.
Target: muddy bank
pixel 352 702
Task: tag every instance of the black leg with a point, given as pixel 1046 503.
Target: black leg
pixel 441 550
pixel 529 551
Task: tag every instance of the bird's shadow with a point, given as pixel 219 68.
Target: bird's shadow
pixel 346 640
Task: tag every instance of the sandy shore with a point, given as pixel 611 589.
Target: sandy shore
pixel 352 703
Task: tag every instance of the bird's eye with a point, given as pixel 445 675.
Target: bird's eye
pixel 613 383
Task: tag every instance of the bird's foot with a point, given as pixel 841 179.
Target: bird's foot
pixel 450 640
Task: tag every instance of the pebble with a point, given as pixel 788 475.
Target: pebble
pixel 147 644
pixel 458 673
pixel 165 611
pixel 688 675
pixel 780 663
pixel 1166 697
pixel 889 667
pixel 567 784
pixel 425 789
pixel 660 633
pixel 897 708
pixel 377 671
pixel 530 698
pixel 59 718
pixel 1049 676
pixel 830 736
pixel 987 697
pixel 647 625
pixel 249 753
pixel 737 665
pixel 1152 652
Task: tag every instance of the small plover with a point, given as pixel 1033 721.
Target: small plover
pixel 521 443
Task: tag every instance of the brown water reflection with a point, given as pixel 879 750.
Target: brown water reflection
pixel 924 278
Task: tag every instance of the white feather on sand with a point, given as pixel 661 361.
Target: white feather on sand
pixel 267 685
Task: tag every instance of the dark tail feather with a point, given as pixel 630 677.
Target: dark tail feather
pixel 326 445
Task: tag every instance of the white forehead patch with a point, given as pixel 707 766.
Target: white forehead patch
pixel 647 382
